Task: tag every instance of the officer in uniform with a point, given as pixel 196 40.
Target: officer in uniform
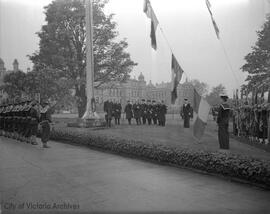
pixel 154 112
pixel 108 108
pixel 117 112
pixel 186 113
pixel 137 112
pixel 223 123
pixel 128 111
pixel 45 120
pixel 149 112
pixel 144 111
pixel 162 113
pixel 34 114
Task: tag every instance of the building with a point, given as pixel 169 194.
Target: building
pixel 137 89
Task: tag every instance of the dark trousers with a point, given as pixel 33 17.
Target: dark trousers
pixel 155 120
pixel 149 121
pixel 186 121
pixel 117 121
pixel 144 120
pixel 129 121
pixel 223 136
pixel 45 132
pixel 138 121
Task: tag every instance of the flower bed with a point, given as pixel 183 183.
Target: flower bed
pixel 233 166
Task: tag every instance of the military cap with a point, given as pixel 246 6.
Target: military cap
pixel 143 99
pixel 186 99
pixel 224 95
pixel 153 101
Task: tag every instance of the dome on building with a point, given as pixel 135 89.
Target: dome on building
pixel 15 62
pixel 141 77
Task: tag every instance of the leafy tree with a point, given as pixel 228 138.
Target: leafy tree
pixel 62 46
pixel 14 84
pixel 201 87
pixel 213 97
pixel 258 61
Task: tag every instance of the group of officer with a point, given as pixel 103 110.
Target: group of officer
pixel 252 122
pixel 144 112
pixel 20 121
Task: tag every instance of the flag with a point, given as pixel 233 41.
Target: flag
pixel 201 110
pixel 208 5
pixel 177 73
pixel 236 96
pixel 148 10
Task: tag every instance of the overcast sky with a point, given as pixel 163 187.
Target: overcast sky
pixel 185 23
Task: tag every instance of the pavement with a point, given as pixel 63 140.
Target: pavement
pixel 80 180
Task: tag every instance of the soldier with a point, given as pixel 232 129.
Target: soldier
pixel 1 120
pixel 45 120
pixel 27 120
pixel 143 111
pixel 149 112
pixel 137 112
pixel 186 113
pixel 223 123
pixel 117 112
pixel 128 111
pixel 162 113
pixel 108 108
pixel 154 112
pixel 34 114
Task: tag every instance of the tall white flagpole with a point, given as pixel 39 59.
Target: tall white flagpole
pixel 90 112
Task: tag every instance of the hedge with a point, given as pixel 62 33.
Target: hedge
pixel 233 166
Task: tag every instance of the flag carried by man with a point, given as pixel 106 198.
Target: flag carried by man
pixel 147 8
pixel 177 72
pixel 201 110
pixel 208 5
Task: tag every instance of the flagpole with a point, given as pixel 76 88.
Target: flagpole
pixel 90 111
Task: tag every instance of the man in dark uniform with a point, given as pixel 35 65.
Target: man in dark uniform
pixel 154 112
pixel 108 109
pixel 223 123
pixel 34 114
pixel 162 113
pixel 137 112
pixel 45 120
pixel 149 112
pixel 128 111
pixel 117 112
pixel 143 111
pixel 186 113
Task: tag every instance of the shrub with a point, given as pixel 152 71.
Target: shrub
pixel 234 166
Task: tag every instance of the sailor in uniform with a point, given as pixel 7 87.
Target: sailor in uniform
pixel 223 123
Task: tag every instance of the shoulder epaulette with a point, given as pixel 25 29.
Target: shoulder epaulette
pixel 225 106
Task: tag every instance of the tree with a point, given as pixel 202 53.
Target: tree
pixel 201 87
pixel 214 96
pixel 14 84
pixel 62 46
pixel 257 62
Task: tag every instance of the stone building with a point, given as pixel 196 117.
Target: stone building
pixel 137 89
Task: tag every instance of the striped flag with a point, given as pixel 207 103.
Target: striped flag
pixel 148 10
pixel 208 5
pixel 177 73
pixel 201 110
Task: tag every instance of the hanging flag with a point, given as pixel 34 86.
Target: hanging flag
pixel 148 10
pixel 177 73
pixel 201 110
pixel 236 96
pixel 208 5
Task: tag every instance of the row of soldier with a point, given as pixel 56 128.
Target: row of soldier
pixel 20 121
pixel 150 112
pixel 252 121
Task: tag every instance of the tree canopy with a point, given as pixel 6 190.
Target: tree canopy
pixel 258 61
pixel 62 46
pixel 213 97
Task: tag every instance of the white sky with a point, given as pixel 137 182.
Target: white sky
pixel 186 24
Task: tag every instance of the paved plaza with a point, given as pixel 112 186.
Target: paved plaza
pixel 78 179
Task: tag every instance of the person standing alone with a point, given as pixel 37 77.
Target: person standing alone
pixel 186 113
pixel 223 123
